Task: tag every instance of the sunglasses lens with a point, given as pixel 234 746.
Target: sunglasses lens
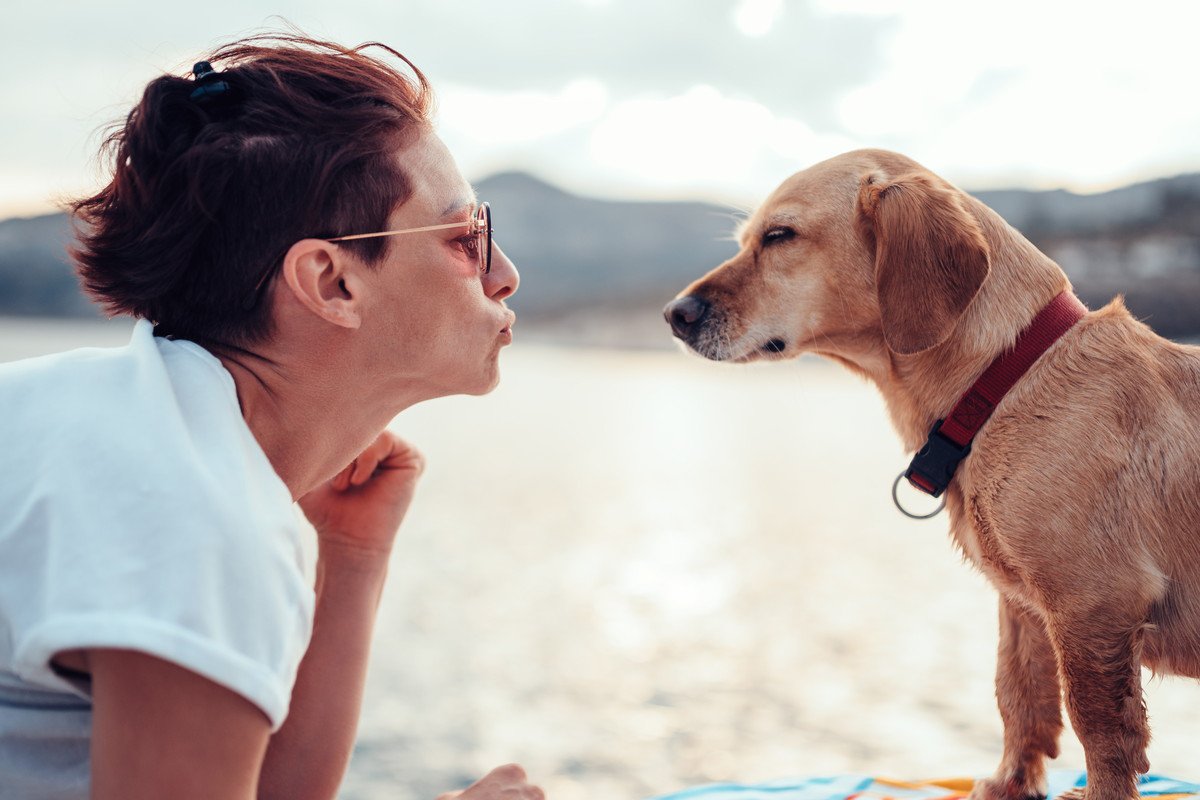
pixel 483 221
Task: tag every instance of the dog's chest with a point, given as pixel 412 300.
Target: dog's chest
pixel 976 536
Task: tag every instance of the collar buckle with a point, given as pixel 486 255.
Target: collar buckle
pixel 932 468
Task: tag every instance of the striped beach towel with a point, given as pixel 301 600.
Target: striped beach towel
pixel 864 787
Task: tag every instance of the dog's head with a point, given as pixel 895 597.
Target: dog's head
pixel 864 250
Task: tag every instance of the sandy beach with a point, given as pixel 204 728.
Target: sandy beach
pixel 635 571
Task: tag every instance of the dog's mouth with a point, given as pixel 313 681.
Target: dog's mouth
pixel 716 345
pixel 773 349
pixel 706 330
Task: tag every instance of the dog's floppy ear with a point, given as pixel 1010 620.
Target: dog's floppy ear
pixel 930 256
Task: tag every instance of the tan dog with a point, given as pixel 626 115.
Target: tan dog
pixel 1080 500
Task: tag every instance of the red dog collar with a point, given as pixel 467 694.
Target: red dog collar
pixel 949 442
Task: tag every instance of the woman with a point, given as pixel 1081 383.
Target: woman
pixel 305 261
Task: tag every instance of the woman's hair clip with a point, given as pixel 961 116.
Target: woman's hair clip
pixel 210 87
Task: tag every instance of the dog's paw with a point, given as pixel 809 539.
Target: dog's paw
pixel 1083 793
pixel 1007 789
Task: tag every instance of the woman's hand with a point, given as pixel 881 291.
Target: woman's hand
pixel 361 508
pixel 503 783
pixel 356 515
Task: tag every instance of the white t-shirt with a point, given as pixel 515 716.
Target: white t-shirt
pixel 136 511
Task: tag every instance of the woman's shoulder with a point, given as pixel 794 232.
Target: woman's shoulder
pixel 150 433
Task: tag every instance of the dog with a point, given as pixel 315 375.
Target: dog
pixel 1079 499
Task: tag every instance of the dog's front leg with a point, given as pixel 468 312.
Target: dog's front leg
pixel 1027 691
pixel 1100 657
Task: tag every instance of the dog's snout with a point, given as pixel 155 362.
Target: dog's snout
pixel 685 314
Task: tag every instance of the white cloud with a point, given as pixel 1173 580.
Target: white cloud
pixel 1042 93
pixel 755 18
pixel 724 97
pixel 705 142
pixel 1027 134
pixel 490 118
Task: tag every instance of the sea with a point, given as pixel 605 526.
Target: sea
pixel 633 571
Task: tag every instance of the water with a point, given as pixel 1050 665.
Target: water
pixel 636 571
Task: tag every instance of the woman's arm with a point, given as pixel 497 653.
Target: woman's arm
pixel 308 756
pixel 356 516
pixel 162 731
pixel 159 730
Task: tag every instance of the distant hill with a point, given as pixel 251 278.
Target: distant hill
pixel 579 254
pixel 575 251
pixel 35 277
pixel 1142 241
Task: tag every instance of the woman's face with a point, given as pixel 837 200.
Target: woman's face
pixel 435 322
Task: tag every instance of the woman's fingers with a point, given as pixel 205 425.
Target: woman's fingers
pixel 402 455
pixel 362 468
pixel 388 451
pixel 504 783
pixel 341 481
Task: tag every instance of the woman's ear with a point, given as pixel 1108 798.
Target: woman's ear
pixel 323 280
pixel 930 256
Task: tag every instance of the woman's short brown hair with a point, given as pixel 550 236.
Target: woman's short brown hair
pixel 207 196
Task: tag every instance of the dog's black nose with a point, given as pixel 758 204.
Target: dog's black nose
pixel 685 314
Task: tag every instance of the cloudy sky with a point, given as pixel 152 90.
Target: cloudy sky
pixel 717 99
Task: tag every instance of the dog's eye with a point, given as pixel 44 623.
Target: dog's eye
pixel 780 233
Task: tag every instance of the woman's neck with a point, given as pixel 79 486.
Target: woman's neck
pixel 311 410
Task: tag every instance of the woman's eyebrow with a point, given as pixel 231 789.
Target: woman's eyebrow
pixel 458 206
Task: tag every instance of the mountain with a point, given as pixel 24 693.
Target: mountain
pixel 580 255
pixel 35 277
pixel 1142 241
pixel 577 252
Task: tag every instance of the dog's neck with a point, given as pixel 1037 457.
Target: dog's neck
pixel 919 389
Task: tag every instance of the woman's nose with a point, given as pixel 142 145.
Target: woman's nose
pixel 503 280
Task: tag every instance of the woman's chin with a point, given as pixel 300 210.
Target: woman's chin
pixel 481 383
pixel 489 382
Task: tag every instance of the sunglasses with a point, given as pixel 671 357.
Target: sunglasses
pixel 479 234
pixel 480 225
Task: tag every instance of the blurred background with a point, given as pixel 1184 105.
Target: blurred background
pixel 627 569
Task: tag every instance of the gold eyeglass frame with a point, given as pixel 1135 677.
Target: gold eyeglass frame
pixel 480 222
